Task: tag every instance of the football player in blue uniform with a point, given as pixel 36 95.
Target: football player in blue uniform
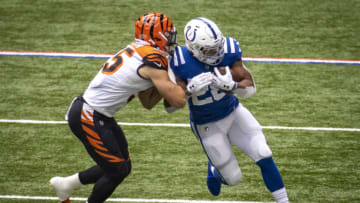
pixel 211 69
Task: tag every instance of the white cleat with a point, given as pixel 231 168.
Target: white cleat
pixel 62 189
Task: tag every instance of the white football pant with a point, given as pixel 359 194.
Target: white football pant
pixel 241 129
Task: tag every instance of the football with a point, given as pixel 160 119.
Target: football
pixel 222 70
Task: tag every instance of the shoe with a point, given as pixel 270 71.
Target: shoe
pixel 62 190
pixel 213 184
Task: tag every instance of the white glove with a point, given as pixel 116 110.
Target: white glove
pixel 224 82
pixel 199 82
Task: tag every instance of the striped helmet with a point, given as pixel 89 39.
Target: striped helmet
pixel 204 40
pixel 156 29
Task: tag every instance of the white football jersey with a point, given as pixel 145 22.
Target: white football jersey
pixel 118 80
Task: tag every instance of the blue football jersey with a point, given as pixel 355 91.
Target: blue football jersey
pixel 211 104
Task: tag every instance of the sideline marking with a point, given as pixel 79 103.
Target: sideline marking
pixel 302 60
pixel 245 59
pixel 121 199
pixel 185 125
pixel 55 54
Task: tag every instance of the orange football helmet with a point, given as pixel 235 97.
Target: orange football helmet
pixel 156 29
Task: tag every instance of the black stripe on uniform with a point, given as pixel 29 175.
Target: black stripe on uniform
pixel 152 26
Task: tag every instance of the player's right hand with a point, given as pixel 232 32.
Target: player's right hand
pixel 199 82
pixel 223 79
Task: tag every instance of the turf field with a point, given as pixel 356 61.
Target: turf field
pixel 168 162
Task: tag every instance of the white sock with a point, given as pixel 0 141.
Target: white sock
pixel 280 196
pixel 65 185
pixel 73 181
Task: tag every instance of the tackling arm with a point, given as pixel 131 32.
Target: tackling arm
pixel 149 98
pixel 171 92
pixel 171 109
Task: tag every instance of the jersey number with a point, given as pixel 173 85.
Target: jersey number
pixel 114 63
pixel 215 95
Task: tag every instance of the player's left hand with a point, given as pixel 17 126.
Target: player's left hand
pixel 199 82
pixel 223 80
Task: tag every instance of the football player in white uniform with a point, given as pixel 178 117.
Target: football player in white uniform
pixel 138 69
pixel 210 67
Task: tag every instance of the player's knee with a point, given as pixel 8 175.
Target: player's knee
pixel 129 166
pixel 126 170
pixel 121 172
pixel 234 178
pixel 263 151
pixel 259 149
pixel 231 172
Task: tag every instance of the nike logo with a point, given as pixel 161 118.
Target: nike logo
pixel 157 63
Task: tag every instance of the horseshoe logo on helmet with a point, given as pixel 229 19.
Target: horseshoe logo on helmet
pixel 187 34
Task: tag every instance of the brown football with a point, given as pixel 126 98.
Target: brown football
pixel 222 70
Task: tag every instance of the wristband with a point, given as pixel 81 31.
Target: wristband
pixel 235 85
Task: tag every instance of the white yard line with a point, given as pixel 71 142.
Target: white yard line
pixel 122 199
pixel 245 59
pixel 185 125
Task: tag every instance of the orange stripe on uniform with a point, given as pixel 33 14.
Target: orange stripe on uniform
pixel 96 143
pixel 86 119
pixel 90 132
pixel 112 158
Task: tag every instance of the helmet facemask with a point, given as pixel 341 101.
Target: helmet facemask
pixel 167 39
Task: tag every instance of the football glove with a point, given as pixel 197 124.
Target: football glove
pixel 224 82
pixel 199 82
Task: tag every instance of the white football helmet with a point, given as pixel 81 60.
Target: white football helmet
pixel 204 40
